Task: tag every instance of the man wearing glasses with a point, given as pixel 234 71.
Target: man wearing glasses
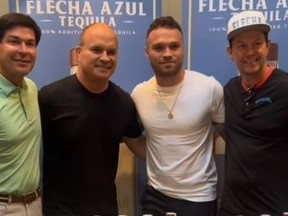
pixel 256 122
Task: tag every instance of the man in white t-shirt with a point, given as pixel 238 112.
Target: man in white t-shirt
pixel 178 110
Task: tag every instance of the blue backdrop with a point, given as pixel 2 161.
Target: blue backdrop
pixel 62 23
pixel 204 25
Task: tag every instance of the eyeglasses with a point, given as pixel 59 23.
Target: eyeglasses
pixel 248 101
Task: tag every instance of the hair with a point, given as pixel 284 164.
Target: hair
pixel 164 22
pixel 11 20
pixel 265 35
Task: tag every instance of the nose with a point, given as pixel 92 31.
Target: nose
pixel 104 57
pixel 167 53
pixel 251 50
pixel 22 48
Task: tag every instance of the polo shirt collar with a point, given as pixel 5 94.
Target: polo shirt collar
pixel 7 87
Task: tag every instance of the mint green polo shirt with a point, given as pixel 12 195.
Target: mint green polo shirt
pixel 20 138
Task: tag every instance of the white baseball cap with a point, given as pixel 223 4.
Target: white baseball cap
pixel 246 20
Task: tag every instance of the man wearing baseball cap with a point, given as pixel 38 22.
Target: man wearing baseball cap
pixel 256 123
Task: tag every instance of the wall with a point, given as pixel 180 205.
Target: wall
pixel 4 8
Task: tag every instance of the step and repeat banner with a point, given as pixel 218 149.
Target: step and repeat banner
pixel 62 22
pixel 204 24
pixel 204 27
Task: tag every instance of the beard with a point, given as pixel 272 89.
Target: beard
pixel 166 72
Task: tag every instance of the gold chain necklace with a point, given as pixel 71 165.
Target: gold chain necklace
pixel 170 110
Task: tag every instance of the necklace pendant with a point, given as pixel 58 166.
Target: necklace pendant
pixel 170 115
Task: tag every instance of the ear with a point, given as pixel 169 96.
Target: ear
pixel 229 53
pixel 78 50
pixel 268 44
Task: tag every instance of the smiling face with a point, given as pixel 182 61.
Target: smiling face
pixel 164 48
pixel 249 52
pixel 97 54
pixel 18 54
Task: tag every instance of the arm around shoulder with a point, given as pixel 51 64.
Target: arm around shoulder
pixel 136 145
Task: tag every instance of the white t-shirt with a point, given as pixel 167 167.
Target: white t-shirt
pixel 179 157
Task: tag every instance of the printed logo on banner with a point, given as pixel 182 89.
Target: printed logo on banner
pixel 62 22
pixel 275 12
pixel 70 17
pixel 205 25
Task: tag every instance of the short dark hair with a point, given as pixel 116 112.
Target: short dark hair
pixel 11 20
pixel 164 22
